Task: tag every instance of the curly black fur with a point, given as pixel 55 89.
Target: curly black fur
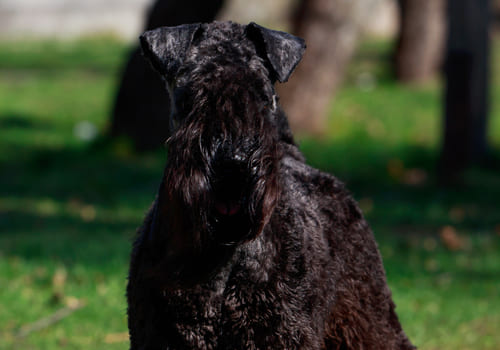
pixel 247 247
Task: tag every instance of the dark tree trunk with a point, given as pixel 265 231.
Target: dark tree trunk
pixel 142 105
pixel 330 28
pixel 467 87
pixel 496 14
pixel 421 39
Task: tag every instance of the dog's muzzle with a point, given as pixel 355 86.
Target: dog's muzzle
pixel 232 185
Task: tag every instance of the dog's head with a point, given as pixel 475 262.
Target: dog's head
pixel 221 176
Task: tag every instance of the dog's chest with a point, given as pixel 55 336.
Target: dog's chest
pixel 247 298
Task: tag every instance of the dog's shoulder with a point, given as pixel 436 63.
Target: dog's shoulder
pixel 318 195
pixel 304 180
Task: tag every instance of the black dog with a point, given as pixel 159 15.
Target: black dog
pixel 245 246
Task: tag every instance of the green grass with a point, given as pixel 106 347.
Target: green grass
pixel 69 208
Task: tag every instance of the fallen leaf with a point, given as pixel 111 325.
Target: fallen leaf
pixel 414 177
pixel 451 239
pixel 88 213
pixel 73 303
pixel 116 338
pixel 59 279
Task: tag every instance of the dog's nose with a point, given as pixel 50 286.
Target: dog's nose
pixel 227 208
pixel 229 184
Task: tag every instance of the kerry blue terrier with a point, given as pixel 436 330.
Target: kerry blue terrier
pixel 245 246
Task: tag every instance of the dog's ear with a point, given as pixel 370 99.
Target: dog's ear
pixel 283 51
pixel 167 47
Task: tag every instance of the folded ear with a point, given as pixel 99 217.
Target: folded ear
pixel 167 47
pixel 283 51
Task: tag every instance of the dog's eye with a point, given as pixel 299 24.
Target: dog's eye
pixel 180 98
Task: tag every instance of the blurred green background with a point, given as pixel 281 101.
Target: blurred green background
pixel 70 201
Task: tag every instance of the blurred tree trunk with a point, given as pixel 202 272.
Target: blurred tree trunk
pixel 496 13
pixel 142 105
pixel 421 39
pixel 467 87
pixel 330 28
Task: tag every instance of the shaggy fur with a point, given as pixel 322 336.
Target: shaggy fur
pixel 245 246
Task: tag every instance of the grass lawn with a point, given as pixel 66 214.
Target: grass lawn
pixel 69 207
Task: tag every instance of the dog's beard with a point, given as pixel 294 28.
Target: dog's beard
pixel 226 203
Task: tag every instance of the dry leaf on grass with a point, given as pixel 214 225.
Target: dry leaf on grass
pixel 414 177
pixel 116 338
pixel 451 239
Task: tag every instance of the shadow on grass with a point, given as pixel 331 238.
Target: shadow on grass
pixel 96 245
pixel 75 205
pixel 19 121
